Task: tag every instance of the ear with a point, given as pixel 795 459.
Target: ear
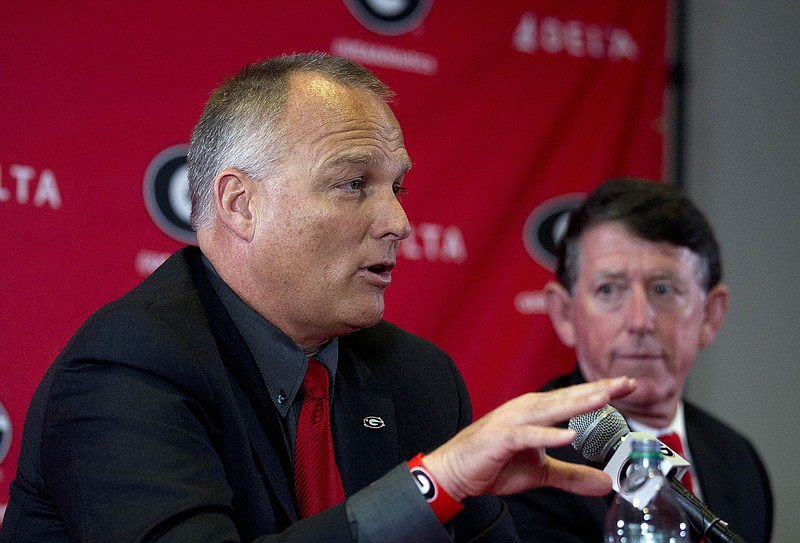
pixel 714 311
pixel 233 199
pixel 559 302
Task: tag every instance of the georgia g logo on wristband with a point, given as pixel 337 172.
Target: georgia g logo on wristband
pixel 442 504
pixel 424 483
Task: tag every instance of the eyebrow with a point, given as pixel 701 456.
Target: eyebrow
pixel 367 158
pixel 659 275
pixel 613 274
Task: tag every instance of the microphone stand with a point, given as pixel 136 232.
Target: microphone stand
pixel 702 519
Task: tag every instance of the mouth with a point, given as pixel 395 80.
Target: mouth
pixel 639 357
pixel 379 274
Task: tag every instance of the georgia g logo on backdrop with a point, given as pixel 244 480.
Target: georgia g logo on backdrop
pixel 166 193
pixel 5 432
pixel 389 17
pixel 545 225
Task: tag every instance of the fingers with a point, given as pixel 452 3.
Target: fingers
pixel 503 451
pixel 615 388
pixel 623 386
pixel 548 408
pixel 537 437
pixel 576 478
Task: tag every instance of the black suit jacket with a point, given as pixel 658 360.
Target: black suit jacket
pixel 154 423
pixel 731 474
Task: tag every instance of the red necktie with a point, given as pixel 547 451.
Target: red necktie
pixel 317 483
pixel 673 441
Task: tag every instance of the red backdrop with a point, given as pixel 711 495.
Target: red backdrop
pixel 510 111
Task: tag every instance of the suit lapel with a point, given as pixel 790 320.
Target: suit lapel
pixel 259 415
pixel 364 428
pixel 263 429
pixel 708 465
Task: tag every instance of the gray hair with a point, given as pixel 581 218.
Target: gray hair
pixel 240 124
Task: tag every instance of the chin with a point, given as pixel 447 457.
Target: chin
pixel 647 398
pixel 368 316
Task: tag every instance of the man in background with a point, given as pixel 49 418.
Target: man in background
pixel 639 294
pixel 248 390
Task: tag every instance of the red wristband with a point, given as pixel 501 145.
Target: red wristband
pixel 442 503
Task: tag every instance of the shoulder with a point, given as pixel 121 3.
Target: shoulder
pixel 700 421
pixel 550 514
pixel 708 433
pixel 386 347
pixel 159 326
pixel 385 336
pixel 718 447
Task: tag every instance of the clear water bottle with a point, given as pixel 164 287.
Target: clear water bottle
pixel 646 508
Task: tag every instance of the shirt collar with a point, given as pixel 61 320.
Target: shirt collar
pixel 280 361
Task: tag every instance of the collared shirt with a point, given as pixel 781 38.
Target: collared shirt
pixel 282 365
pixel 280 361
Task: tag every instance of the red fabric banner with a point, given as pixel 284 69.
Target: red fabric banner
pixel 511 110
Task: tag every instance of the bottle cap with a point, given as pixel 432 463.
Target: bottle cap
pixel 646 448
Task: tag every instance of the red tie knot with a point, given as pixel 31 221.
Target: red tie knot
pixel 315 383
pixel 673 441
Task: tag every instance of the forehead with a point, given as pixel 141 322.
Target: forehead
pixel 611 248
pixel 322 116
pixel 315 101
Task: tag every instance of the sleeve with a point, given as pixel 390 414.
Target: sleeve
pixel 374 514
pixel 375 517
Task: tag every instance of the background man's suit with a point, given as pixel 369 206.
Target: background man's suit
pixel 188 440
pixel 732 476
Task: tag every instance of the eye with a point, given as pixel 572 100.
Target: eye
pixel 611 292
pixel 662 289
pixel 352 187
pixel 606 289
pixel 355 184
pixel 399 190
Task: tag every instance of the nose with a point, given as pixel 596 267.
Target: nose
pixel 640 315
pixel 390 218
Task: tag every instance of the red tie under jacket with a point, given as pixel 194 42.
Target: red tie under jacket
pixel 673 441
pixel 317 483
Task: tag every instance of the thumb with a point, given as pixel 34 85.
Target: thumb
pixel 576 478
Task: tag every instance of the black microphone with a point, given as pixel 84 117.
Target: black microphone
pixel 600 437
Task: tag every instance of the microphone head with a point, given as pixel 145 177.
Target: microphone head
pixel 598 432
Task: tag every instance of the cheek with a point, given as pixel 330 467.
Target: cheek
pixel 686 343
pixel 329 249
pixel 595 342
pixel 682 333
pixel 595 329
pixel 307 233
pixel 290 248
